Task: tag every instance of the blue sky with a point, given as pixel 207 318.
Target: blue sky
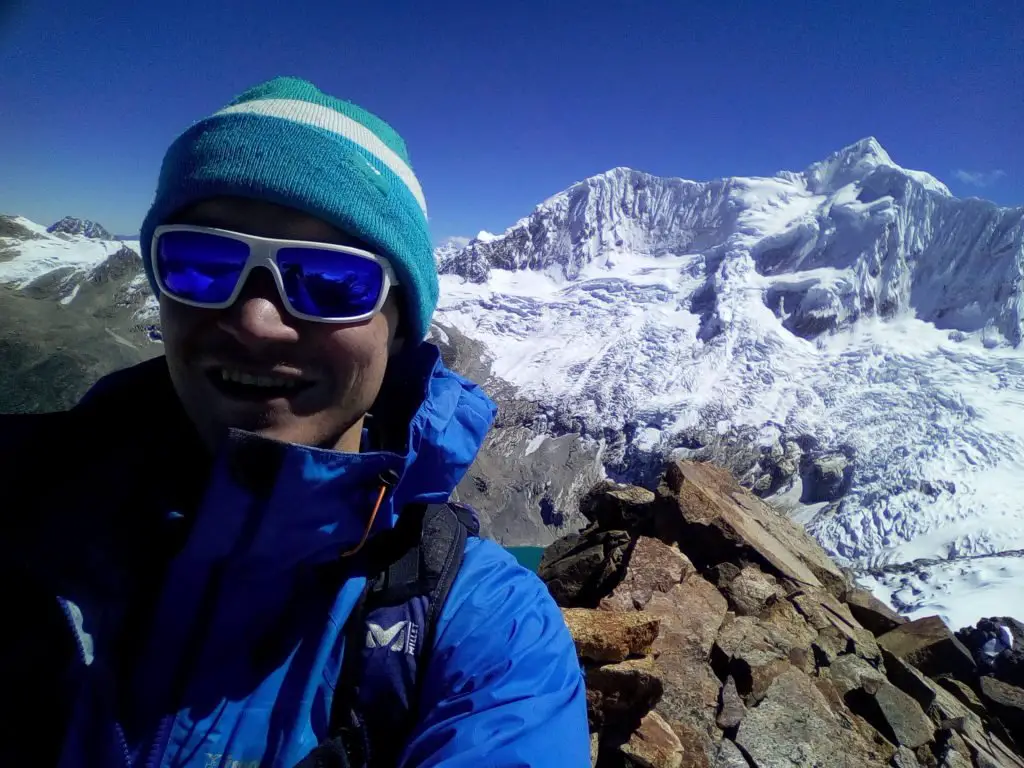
pixel 504 104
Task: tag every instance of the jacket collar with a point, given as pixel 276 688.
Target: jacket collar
pixel 283 502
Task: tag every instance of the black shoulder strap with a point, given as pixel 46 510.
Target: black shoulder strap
pixel 390 634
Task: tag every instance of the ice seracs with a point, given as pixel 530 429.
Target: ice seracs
pixel 852 309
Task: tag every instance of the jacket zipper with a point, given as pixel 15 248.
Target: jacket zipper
pixel 122 742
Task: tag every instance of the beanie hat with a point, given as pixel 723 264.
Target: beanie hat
pixel 287 142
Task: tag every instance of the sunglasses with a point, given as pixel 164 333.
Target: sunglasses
pixel 326 283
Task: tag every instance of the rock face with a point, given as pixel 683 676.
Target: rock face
pixel 930 646
pixel 724 638
pixel 69 225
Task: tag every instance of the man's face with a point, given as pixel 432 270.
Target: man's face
pixel 336 370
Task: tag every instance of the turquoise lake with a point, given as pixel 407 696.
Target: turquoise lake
pixel 528 557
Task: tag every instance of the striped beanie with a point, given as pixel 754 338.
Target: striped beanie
pixel 287 142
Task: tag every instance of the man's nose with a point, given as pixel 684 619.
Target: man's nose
pixel 258 315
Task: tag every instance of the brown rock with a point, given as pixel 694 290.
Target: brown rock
pixel 714 519
pixel 870 695
pixel 613 506
pixel 581 568
pixel 698 747
pixel 794 726
pixel 829 645
pixel 963 693
pixel 731 708
pixel 689 701
pixel 595 748
pixel 909 680
pixel 754 653
pixel 930 646
pixel 723 573
pixel 787 621
pixel 850 672
pixel 871 612
pixel 826 614
pixel 954 752
pixel 907 725
pixel 691 614
pixel 610 637
pixel 621 694
pixel 653 567
pixel 654 745
pixel 750 590
pixel 1006 702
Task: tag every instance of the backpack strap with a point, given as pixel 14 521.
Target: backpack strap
pixel 389 636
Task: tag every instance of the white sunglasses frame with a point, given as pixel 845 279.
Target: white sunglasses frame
pixel 262 253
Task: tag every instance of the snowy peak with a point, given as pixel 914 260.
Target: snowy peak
pixel 70 225
pixel 855 163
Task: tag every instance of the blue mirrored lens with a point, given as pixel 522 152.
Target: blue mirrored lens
pixel 199 266
pixel 329 283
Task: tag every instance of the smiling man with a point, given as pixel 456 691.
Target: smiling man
pixel 242 553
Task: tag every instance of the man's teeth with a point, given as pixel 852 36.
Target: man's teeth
pixel 277 382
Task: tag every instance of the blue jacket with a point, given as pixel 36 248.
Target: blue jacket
pixel 188 627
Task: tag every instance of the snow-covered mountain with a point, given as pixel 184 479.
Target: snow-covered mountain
pixel 846 338
pixel 69 225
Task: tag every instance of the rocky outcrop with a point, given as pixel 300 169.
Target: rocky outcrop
pixel 70 225
pixel 723 637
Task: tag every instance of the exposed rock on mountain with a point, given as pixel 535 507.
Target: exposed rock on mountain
pixel 717 634
pixel 69 225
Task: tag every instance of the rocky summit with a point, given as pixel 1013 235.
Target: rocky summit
pixel 715 633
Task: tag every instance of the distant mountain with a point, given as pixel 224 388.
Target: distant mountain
pixel 847 339
pixel 73 308
pixel 69 225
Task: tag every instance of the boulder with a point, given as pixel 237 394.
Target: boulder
pixel 652 567
pixel 872 613
pixel 909 680
pixel 731 708
pixel 729 756
pixel 621 694
pixel 905 758
pixel 827 614
pixel 1007 703
pixel 826 478
pixel 654 745
pixel 963 693
pixel 902 720
pixel 930 646
pixel 794 726
pixel 610 637
pixel 756 650
pixel 750 590
pixel 614 506
pixel 691 614
pixel 581 568
pixel 714 519
pixel 850 672
pixel 867 692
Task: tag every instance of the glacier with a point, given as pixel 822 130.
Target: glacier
pixel 854 312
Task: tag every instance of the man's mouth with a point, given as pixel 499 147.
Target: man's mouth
pixel 245 385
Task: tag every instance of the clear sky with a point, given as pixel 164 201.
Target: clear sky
pixel 505 103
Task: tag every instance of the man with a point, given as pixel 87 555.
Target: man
pixel 187 579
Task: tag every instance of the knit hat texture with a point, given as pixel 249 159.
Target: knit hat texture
pixel 287 142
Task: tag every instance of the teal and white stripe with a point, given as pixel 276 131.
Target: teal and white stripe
pixel 319 116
